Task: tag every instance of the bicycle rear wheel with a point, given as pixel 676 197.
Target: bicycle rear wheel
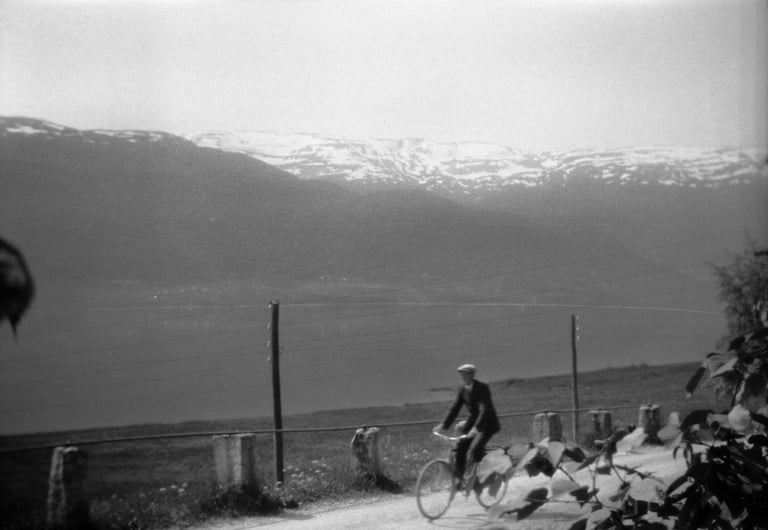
pixel 493 492
pixel 435 488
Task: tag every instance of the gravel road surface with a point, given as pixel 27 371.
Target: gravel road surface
pixel 400 511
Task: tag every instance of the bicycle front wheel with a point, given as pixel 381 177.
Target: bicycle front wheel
pixel 493 492
pixel 435 488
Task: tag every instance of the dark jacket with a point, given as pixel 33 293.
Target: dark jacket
pixel 482 413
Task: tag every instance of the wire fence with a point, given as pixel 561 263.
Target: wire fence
pixel 177 471
pixel 348 428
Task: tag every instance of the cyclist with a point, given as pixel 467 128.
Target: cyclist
pixel 481 424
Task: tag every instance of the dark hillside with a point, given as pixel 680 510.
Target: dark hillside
pixel 149 207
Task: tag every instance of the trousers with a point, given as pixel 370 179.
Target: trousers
pixel 474 447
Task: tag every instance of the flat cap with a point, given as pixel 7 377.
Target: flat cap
pixel 471 368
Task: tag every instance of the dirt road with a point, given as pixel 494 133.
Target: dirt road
pixel 400 512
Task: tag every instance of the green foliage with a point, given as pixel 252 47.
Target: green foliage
pixel 231 503
pixel 724 487
pixel 182 504
pixel 156 508
pixel 743 287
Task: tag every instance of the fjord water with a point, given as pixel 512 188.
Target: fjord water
pixel 188 355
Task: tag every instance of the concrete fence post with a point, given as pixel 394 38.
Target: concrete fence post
pixel 67 506
pixel 235 462
pixel 649 419
pixel 365 448
pixel 601 422
pixel 547 425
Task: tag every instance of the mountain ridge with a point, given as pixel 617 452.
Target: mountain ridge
pixel 477 169
pixel 146 206
pixel 460 170
pixel 168 197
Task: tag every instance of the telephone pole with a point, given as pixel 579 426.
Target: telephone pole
pixel 575 377
pixel 276 397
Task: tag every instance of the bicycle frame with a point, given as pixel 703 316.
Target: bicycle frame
pixel 454 440
pixel 431 511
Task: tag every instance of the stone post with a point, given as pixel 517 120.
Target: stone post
pixel 601 423
pixel 649 419
pixel 547 425
pixel 365 447
pixel 67 506
pixel 235 462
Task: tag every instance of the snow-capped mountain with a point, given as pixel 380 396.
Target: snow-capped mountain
pixel 45 130
pixel 155 207
pixel 473 167
pixel 463 169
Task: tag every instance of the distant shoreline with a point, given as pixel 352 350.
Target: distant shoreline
pixel 304 419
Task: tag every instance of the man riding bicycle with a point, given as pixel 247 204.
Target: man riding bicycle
pixel 481 425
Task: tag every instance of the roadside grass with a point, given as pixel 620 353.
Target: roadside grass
pixel 171 482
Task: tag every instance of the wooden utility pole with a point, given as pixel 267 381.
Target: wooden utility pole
pixel 276 398
pixel 575 377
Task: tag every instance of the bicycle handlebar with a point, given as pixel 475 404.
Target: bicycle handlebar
pixel 450 438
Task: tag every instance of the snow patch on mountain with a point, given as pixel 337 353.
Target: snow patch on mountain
pixel 19 126
pixel 465 167
pixel 131 136
pixel 455 167
pixel 26 129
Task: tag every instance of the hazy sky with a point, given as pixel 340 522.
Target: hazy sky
pixel 540 75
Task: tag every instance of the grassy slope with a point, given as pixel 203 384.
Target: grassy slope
pixel 141 481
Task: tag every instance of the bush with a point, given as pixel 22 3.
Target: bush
pixel 725 487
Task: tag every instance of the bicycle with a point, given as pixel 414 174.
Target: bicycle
pixel 436 486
